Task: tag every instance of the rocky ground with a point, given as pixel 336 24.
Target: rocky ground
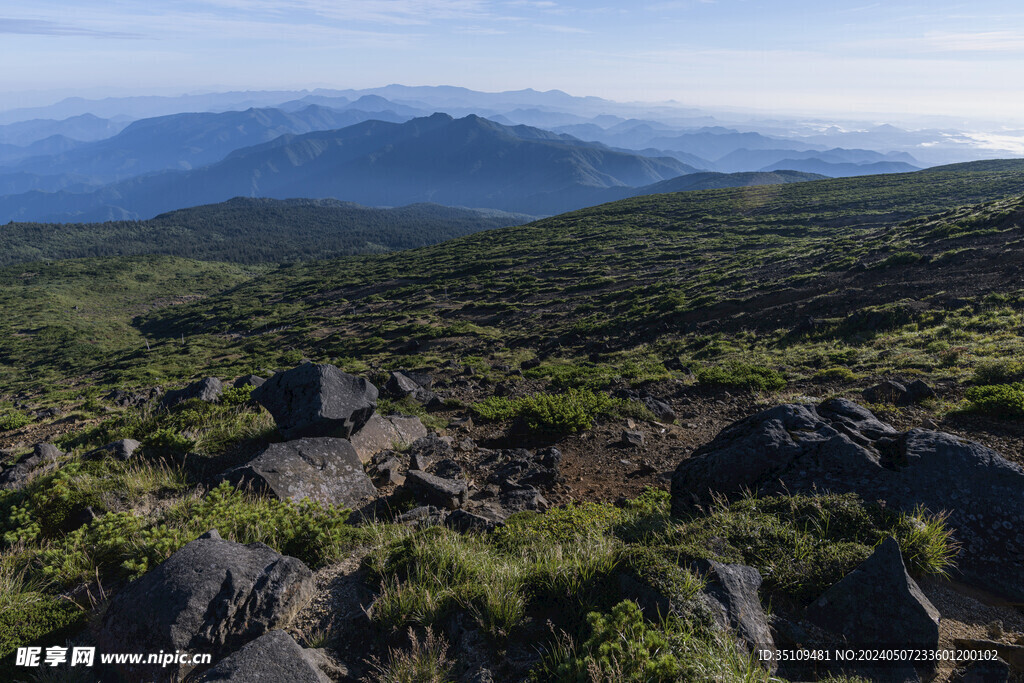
pixel 470 474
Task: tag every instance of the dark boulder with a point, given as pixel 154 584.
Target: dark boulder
pixel 431 490
pixel 886 392
pixel 428 450
pixel 632 438
pixel 325 470
pixel 211 596
pixel 46 452
pixel 840 447
pixel 18 475
pixel 274 657
pixel 878 605
pixel 662 410
pixel 317 400
pixel 918 391
pixel 207 389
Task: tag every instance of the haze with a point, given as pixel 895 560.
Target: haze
pixel 846 57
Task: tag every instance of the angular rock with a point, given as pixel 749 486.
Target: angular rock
pixel 878 605
pixel 248 381
pixel 322 469
pixel 887 391
pixel 410 429
pixel 17 475
pixel 444 493
pixel 122 449
pixel 632 438
pixel 274 657
pixel 985 671
pixel 662 410
pixel 517 467
pixel 731 596
pixel 125 399
pixel 400 385
pixel 207 389
pixel 46 452
pixel 386 433
pixel 317 400
pixel 465 522
pixel 842 448
pixel 427 450
pixel 211 596
pixel 918 391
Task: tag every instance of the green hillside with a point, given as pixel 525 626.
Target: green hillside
pixel 245 230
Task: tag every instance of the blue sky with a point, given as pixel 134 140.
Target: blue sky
pixel 837 56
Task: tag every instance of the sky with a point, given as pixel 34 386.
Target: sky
pixel 824 56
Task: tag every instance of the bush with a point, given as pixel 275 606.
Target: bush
pixel 13 419
pixel 573 411
pixel 999 372
pixel 997 400
pixel 742 376
pixel 36 618
pixel 835 374
pixel 622 647
pixel 236 396
pixel 128 545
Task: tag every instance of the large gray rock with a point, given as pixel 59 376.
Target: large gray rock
pixel 274 657
pixel 17 476
pixel 840 447
pixel 207 389
pixel 122 449
pixel 878 605
pixel 386 433
pixel 211 596
pixel 248 381
pixel 325 470
pixel 317 400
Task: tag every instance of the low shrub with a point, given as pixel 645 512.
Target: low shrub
pixel 835 374
pixel 997 400
pixel 13 419
pixel 572 411
pixel 742 376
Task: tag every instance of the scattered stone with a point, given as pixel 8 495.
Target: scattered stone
pixel 433 490
pixel 248 381
pixel 425 515
pixel 983 671
pixel 46 452
pixel 518 467
pixel 386 433
pixel 523 498
pixel 317 400
pixel 462 423
pixel 122 449
pixel 840 447
pixel 878 605
pixel 17 476
pixel 274 657
pixel 322 469
pixel 125 399
pixel 465 522
pixel 1013 655
pixel 47 413
pixel 427 450
pixel 632 439
pixel 662 410
pixel 211 596
pixel 207 389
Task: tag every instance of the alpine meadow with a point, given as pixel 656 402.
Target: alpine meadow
pixel 711 371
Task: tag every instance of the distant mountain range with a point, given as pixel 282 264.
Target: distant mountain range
pixel 245 230
pixel 184 141
pixel 459 162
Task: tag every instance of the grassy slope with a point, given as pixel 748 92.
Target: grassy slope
pixel 663 273
pixel 621 289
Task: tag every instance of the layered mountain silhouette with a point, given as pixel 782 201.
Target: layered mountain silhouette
pixel 185 141
pixel 458 162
